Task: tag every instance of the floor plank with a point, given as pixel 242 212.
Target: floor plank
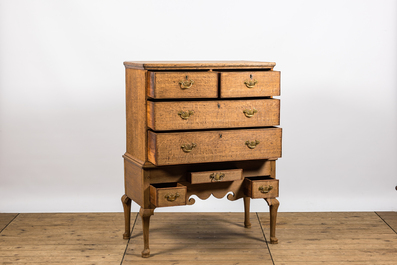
pixel 199 238
pixel 390 218
pixel 5 219
pixel 331 238
pixel 63 238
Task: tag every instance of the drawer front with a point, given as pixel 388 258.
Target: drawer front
pixel 250 84
pixel 261 188
pixel 162 196
pixel 216 176
pixel 183 85
pixel 186 115
pixel 213 146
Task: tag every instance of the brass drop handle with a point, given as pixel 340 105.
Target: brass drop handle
pixel 185 114
pixel 249 113
pixel 265 189
pixel 217 176
pixel 251 83
pixel 186 83
pixel 187 148
pixel 172 197
pixel 253 144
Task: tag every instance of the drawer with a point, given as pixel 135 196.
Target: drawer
pixel 261 187
pixel 213 146
pixel 250 84
pixel 186 115
pixel 183 85
pixel 216 176
pixel 167 194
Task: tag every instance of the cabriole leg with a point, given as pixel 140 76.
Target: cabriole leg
pixel 273 204
pixel 127 216
pixel 145 214
pixel 247 223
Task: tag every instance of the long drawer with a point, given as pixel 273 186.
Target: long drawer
pixel 213 146
pixel 186 115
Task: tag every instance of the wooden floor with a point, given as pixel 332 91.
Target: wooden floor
pixel 200 238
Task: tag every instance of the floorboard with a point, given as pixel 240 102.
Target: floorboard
pixel 5 219
pixel 390 218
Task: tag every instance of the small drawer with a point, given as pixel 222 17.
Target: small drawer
pixel 216 176
pixel 188 115
pixel 183 85
pixel 261 187
pixel 250 84
pixel 172 148
pixel 167 194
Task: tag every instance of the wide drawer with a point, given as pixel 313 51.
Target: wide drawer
pixel 167 194
pixel 261 187
pixel 183 85
pixel 185 115
pixel 250 84
pixel 216 176
pixel 213 146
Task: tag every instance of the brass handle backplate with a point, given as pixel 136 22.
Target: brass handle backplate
pixel 187 148
pixel 249 113
pixel 185 114
pixel 186 84
pixel 172 197
pixel 217 176
pixel 253 144
pixel 251 83
pixel 265 189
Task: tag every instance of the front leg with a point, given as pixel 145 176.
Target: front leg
pixel 127 216
pixel 273 204
pixel 247 223
pixel 145 214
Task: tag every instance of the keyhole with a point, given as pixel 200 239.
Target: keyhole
pixel 186 77
pixel 220 135
pixel 251 76
pixel 219 106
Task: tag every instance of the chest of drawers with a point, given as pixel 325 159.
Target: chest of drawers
pixel 200 128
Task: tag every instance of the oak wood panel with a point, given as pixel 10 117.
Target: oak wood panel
pixel 160 196
pixel 133 179
pixel 232 84
pixel 213 146
pixel 210 176
pixel 136 113
pixel 181 65
pixel 213 114
pixel 252 187
pixel 166 85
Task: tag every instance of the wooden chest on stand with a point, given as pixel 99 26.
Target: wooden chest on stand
pixel 200 128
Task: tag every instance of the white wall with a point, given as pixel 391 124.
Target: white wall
pixel 62 121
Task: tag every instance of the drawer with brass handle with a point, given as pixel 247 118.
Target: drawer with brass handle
pixel 188 115
pixel 216 176
pixel 183 85
pixel 213 146
pixel 250 84
pixel 261 187
pixel 167 194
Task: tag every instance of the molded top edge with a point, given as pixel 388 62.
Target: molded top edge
pixel 176 65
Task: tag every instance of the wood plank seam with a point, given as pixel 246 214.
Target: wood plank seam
pixel 263 232
pixel 9 223
pixel 128 241
pixel 386 223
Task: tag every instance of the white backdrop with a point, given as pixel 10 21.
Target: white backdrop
pixel 62 105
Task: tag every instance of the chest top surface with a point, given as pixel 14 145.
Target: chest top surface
pixel 203 65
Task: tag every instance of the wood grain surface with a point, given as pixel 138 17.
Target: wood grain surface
pixel 196 65
pixel 213 114
pixel 166 85
pixel 232 84
pixel 209 176
pixel 213 146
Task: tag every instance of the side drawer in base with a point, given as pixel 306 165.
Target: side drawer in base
pixel 261 187
pixel 167 194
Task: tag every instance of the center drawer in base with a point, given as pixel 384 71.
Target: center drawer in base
pixel 167 194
